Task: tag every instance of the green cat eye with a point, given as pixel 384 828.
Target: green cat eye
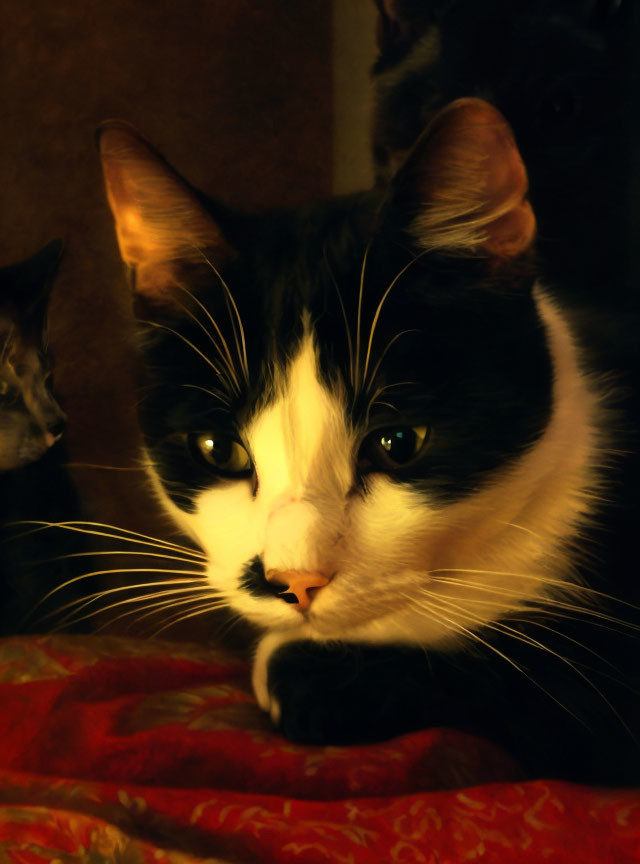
pixel 221 452
pixel 390 448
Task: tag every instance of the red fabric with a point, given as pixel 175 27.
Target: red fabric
pixel 123 751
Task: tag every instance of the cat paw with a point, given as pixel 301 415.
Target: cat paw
pixel 336 693
pixel 267 647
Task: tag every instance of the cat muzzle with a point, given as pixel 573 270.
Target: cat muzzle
pixel 299 586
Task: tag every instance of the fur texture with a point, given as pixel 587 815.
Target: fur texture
pixel 340 392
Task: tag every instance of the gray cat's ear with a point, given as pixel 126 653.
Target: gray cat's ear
pixel 400 22
pixel 463 189
pixel 160 221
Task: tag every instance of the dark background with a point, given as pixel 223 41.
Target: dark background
pixel 238 96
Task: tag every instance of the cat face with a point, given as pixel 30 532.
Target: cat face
pixel 30 418
pixel 361 411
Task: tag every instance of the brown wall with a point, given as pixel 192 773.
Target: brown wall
pixel 237 95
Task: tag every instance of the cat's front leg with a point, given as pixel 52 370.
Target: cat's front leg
pixel 267 647
pixel 340 693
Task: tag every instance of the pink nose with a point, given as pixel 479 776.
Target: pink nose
pixel 298 584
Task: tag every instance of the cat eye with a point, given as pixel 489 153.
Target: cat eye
pixel 396 447
pixel 221 453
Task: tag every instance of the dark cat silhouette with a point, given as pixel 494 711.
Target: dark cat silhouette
pixel 34 484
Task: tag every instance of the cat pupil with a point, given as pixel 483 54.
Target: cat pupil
pixel 399 444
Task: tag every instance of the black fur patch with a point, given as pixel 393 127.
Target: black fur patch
pixel 477 370
pixel 254 580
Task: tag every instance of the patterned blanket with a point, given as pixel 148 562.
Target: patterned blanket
pixel 115 750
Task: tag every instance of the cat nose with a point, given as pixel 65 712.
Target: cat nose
pixel 54 432
pixel 298 584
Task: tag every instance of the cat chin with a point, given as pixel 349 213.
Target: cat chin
pixel 12 458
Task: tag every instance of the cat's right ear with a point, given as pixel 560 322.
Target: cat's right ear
pixel 463 190
pixel 160 222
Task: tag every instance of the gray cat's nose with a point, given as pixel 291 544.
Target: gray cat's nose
pixel 54 432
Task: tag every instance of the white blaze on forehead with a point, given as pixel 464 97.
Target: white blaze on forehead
pixel 302 450
pixel 305 422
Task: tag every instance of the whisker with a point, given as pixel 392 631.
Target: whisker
pixel 344 316
pixel 501 627
pixel 103 467
pixel 219 372
pixel 200 611
pixel 386 404
pixel 70 621
pixel 549 606
pixel 124 552
pixel 82 602
pixel 376 316
pixel 155 608
pixel 243 357
pixel 360 293
pixel 216 395
pixel 568 586
pixel 533 622
pixel 226 357
pixel 108 572
pixel 438 613
pixel 374 398
pixel 546 601
pixel 123 534
pixel 374 372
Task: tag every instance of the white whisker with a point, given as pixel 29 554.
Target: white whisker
pixel 243 356
pixel 346 322
pixel 226 356
pixel 212 607
pixel 219 372
pixel 376 316
pixel 437 612
pixel 527 639
pixel 216 395
pixel 79 528
pixel 359 318
pixel 156 607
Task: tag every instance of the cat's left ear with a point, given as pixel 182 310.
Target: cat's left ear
pixel 463 189
pixel 160 221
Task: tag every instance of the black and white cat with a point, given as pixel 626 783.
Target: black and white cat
pixel 383 436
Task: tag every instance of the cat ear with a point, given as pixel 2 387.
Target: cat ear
pixel 400 22
pixel 25 287
pixel 464 185
pixel 160 221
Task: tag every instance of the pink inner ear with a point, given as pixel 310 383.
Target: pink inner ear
pixel 158 218
pixel 472 182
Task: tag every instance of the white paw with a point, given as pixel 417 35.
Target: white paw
pixel 267 646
